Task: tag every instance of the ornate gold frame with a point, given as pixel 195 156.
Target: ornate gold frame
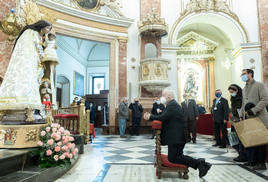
pixel 88 10
pixel 203 84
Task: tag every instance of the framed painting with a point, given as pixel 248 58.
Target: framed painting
pixel 78 84
pixel 87 5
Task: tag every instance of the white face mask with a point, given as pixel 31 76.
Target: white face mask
pixel 163 100
pixel 158 102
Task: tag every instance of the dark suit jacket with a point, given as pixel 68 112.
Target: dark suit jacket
pixel 173 124
pixel 136 110
pixel 190 112
pixel 222 111
pixel 157 106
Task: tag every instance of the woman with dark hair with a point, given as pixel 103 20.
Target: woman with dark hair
pixel 236 104
pixel 20 87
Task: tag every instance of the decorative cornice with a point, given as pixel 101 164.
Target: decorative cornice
pixel 123 22
pixel 192 35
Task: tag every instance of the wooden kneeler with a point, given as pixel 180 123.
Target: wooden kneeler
pixel 161 161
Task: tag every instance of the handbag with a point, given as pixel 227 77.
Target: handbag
pixel 233 138
pixel 252 132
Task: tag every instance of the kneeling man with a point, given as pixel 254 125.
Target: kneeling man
pixel 173 133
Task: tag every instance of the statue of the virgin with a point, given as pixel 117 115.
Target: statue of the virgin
pixel 20 87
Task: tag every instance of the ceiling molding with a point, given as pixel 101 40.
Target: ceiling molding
pixel 91 50
pixel 64 45
pixel 123 22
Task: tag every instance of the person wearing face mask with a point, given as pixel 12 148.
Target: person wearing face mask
pixel 157 109
pixel 220 112
pixel 137 110
pixel 173 133
pixel 236 105
pixel 256 93
pixel 191 114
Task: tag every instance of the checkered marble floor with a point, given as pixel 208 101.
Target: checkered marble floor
pixel 140 149
pixel 111 158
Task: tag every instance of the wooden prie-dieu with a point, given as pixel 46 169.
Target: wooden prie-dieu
pixel 161 161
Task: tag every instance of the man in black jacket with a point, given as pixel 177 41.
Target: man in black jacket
pixel 220 112
pixel 190 111
pixel 137 110
pixel 173 133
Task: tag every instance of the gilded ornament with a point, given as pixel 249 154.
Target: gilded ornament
pixel 153 25
pixel 9 136
pixel 29 115
pixel 145 71
pixel 198 6
pixel 158 70
pixel 31 135
pixel 30 13
pixel 10 25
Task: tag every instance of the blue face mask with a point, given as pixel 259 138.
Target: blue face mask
pixel 233 94
pixel 218 95
pixel 244 78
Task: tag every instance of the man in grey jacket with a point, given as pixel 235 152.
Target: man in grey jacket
pixel 123 116
pixel 255 92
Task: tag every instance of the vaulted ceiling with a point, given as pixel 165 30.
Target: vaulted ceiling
pixel 88 53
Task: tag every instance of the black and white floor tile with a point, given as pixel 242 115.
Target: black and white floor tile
pixel 111 158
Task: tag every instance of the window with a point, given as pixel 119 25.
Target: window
pixel 97 84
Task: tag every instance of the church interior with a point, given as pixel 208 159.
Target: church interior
pixel 63 87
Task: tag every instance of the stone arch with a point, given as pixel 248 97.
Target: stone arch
pixel 228 24
pixel 150 50
pixel 65 83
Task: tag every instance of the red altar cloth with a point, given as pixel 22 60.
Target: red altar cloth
pixel 204 125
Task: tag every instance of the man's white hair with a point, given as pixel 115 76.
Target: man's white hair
pixel 169 91
pixel 123 99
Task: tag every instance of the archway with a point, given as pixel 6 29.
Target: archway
pixel 228 25
pixel 228 33
pixel 63 91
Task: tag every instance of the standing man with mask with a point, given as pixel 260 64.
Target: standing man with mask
pixel 123 116
pixel 173 133
pixel 220 112
pixel 137 110
pixel 255 92
pixel 157 109
pixel 190 111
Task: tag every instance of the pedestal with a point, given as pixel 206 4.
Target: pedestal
pixel 19 136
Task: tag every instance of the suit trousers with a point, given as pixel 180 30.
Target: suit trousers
pixel 191 124
pixel 175 155
pixel 220 127
pixel 135 126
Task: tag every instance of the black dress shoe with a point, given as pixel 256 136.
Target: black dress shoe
pixel 240 159
pixel 215 145
pixel 194 140
pixel 203 169
pixel 259 167
pixel 222 146
pixel 249 164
